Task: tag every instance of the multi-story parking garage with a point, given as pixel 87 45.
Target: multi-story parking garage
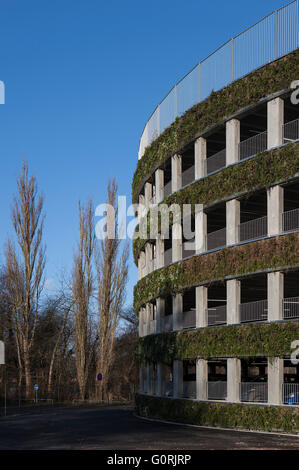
pixel 218 291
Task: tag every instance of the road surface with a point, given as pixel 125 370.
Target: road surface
pixel 116 427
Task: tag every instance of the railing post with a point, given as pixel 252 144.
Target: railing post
pixel 175 102
pixel 233 59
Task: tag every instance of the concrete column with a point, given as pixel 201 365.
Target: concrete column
pixel 177 308
pixel 176 173
pixel 160 378
pixel 200 156
pixel 147 314
pixel 148 257
pixel 275 110
pixel 232 141
pixel 232 221
pixel 201 379
pixel 275 296
pixel 141 211
pixel 275 200
pixel 275 380
pixel 160 252
pixel 159 182
pixel 140 323
pixel 200 230
pixel 176 242
pixel 141 265
pixel 160 312
pixel 177 379
pixel 148 194
pixel 142 208
pixel 233 379
pixel 139 268
pixel 233 295
pixel 201 294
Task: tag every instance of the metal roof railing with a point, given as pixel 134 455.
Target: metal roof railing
pixel 271 38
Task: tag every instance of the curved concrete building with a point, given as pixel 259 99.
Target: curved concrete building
pixel 218 289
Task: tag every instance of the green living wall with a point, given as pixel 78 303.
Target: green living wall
pixel 226 415
pixel 247 91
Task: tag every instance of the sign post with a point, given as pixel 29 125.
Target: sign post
pixel 2 353
pixel 99 379
pixel 2 362
pixel 36 390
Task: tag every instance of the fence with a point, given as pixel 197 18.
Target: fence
pixel 215 162
pixel 252 229
pixel 216 239
pixel 290 220
pixel 290 308
pixel 189 390
pixel 168 257
pixel 290 394
pixel 167 323
pixel 13 398
pixel 188 319
pixel 217 390
pixel 168 189
pixel 188 176
pixel 248 148
pixel 216 315
pixel 271 38
pixel 167 389
pixel 254 392
pixel 253 311
pixel 291 131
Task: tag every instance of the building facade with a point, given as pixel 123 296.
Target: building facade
pixel 218 291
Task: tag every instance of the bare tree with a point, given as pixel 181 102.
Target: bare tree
pixel 66 310
pixel 25 273
pixel 82 287
pixel 112 273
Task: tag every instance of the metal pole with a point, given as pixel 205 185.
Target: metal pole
pixel 233 59
pixel 275 34
pixel 5 399
pixel 5 391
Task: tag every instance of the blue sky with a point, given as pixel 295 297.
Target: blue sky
pixel 82 78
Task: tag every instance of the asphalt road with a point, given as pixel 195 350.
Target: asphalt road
pixel 116 427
